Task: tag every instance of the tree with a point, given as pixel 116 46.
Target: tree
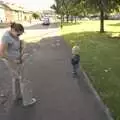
pixel 74 12
pixel 35 15
pixel 102 6
pixel 85 7
pixel 79 9
pixel 62 7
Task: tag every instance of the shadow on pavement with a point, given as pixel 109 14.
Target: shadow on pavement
pixel 17 112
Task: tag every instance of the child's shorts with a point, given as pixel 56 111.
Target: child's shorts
pixel 75 59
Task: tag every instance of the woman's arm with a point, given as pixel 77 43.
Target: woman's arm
pixel 3 49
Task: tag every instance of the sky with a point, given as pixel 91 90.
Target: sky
pixel 33 4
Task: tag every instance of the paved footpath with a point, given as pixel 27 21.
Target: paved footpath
pixel 59 95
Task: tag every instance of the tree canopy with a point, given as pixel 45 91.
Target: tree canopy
pixel 86 7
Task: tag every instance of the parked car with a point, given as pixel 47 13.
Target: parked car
pixel 85 18
pixel 46 21
pixel 115 17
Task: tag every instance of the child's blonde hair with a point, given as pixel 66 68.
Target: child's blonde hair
pixel 75 49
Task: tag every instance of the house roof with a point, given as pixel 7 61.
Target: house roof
pixel 14 7
pixel 18 8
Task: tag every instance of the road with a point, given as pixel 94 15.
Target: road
pixel 59 95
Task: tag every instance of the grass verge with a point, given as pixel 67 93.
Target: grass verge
pixel 100 58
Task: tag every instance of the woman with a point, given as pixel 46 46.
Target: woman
pixel 10 52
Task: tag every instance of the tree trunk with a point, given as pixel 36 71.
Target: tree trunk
pixel 102 20
pixel 63 18
pixel 61 25
pixel 84 13
pixel 71 18
pixel 75 19
pixel 67 18
pixel 101 16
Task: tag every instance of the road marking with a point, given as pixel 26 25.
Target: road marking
pixel 58 40
pixel 57 44
pixel 53 45
pixel 34 50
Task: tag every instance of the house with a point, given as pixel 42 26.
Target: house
pixel 13 13
pixel 4 12
pixel 8 14
pixel 17 12
pixel 27 15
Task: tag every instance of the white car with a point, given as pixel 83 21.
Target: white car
pixel 85 18
pixel 46 21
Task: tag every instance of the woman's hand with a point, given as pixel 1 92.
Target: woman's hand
pixel 24 56
pixel 3 48
pixel 17 61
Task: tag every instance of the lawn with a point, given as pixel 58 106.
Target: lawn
pixel 100 57
pixel 4 25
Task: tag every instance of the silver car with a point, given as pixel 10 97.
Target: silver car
pixel 46 21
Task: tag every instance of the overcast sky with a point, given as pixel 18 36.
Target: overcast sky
pixel 33 4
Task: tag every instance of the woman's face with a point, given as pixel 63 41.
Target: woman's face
pixel 15 33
